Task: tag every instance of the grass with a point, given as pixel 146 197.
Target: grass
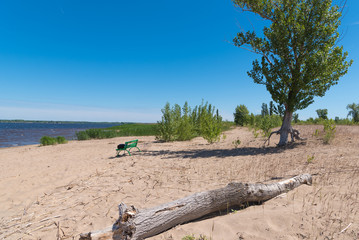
pixel 135 129
pixel 131 129
pixel 46 140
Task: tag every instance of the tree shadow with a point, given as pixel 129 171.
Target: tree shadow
pixel 222 153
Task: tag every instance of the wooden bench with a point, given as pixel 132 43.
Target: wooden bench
pixel 128 146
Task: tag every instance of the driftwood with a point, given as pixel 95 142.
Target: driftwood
pixel 139 224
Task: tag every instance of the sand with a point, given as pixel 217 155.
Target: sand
pixel 58 192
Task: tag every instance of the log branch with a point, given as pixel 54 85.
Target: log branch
pixel 134 224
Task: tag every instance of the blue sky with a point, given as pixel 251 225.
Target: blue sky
pixel 123 60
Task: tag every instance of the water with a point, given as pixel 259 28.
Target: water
pixel 19 134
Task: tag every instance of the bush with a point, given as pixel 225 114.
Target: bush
pixel 46 140
pixel 183 124
pixel 61 140
pixel 329 131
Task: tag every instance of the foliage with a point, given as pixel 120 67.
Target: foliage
pixel 179 125
pixel 322 113
pixel 192 237
pixel 46 140
pixel 135 129
pixel 310 158
pixel 131 129
pixel 353 112
pixel 329 131
pixel 166 128
pixel 207 123
pixel 236 143
pixel 241 115
pixel 264 111
pixel 272 108
pixel 266 123
pixel 61 140
pixel 295 117
pixel 300 56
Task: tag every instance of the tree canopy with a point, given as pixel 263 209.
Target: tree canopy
pixel 301 58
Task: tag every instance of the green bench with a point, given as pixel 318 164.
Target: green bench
pixel 128 146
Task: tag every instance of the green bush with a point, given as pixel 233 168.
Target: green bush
pixel 329 131
pixel 183 124
pixel 82 135
pixel 46 140
pixel 61 140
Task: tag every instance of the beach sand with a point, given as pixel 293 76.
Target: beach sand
pixel 58 192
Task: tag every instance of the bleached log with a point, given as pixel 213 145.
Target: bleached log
pixel 137 224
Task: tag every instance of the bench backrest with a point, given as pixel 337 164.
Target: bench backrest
pixel 132 143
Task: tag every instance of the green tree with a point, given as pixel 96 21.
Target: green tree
pixel 300 57
pixel 322 113
pixel 353 111
pixel 241 115
pixel 272 108
pixel 295 117
pixel 264 111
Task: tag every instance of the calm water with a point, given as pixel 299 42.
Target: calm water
pixel 19 134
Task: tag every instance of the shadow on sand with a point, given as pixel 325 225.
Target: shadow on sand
pixel 222 153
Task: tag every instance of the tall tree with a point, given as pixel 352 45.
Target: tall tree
pixel 300 57
pixel 272 108
pixel 354 111
pixel 264 111
pixel 322 113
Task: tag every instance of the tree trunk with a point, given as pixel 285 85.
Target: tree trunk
pixel 286 128
pixel 139 224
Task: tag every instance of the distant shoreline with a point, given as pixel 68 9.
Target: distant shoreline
pixel 59 122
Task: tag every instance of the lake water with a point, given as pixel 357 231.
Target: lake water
pixel 19 134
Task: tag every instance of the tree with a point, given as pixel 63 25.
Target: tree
pixel 322 113
pixel 241 115
pixel 295 117
pixel 354 111
pixel 264 111
pixel 272 108
pixel 300 57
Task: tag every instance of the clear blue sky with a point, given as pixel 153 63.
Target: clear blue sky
pixel 123 60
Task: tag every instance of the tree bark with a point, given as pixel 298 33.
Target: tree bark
pixel 137 224
pixel 286 128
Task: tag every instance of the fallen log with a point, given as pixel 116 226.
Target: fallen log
pixel 139 224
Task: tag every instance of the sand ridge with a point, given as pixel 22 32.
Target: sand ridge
pixel 57 192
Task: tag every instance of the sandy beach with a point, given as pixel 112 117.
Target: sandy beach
pixel 58 192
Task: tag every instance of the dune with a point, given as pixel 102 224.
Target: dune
pixel 58 192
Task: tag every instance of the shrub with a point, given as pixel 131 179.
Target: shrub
pixel 177 125
pixel 46 140
pixel 236 143
pixel 166 127
pixel 82 135
pixel 329 131
pixel 61 140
